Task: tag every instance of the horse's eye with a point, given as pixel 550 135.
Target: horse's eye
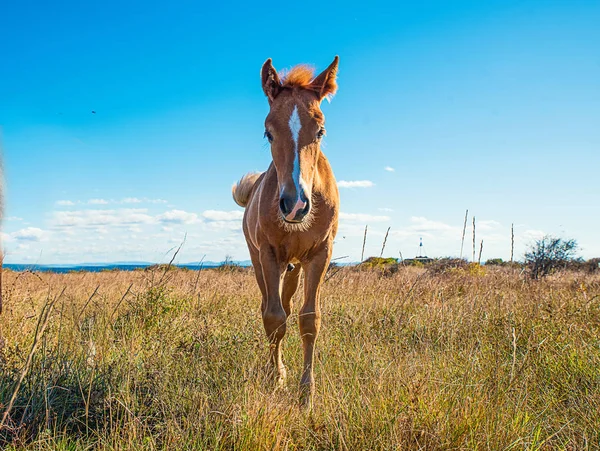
pixel 320 133
pixel 269 136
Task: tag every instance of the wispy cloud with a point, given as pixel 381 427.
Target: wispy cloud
pixel 131 200
pixel 422 224
pixel 133 217
pixel 143 200
pixel 177 217
pixel 216 215
pixel 355 184
pixel 29 234
pixel 362 217
pixel 96 218
pixel 487 225
pixel 531 235
pixel 389 169
pixel 98 202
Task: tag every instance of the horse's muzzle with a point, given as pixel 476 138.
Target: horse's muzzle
pixel 294 210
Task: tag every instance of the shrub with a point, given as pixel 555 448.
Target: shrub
pixel 444 265
pixel 548 255
pixel 378 262
pixel 228 265
pixel 590 266
pixel 388 266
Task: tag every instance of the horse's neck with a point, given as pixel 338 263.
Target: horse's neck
pixel 324 178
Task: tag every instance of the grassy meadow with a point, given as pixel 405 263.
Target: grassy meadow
pixel 469 358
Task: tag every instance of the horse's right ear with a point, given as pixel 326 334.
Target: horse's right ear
pixel 270 80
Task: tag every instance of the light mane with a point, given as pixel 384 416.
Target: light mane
pixel 298 76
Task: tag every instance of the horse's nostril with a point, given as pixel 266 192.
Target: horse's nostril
pixel 282 204
pixel 306 208
pixel 286 205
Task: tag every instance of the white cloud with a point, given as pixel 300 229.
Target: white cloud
pixel 494 238
pixel 530 235
pixel 487 225
pixel 137 200
pixel 355 184
pixel 95 218
pixel 29 234
pixel 362 217
pixel 131 200
pixel 223 225
pixel 386 209
pixel 389 169
pixel 216 215
pixel 422 224
pixel 13 218
pixel 100 201
pixel 177 217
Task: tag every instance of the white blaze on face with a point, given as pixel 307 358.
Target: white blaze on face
pixel 295 126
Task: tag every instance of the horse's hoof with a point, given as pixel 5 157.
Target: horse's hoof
pixel 280 376
pixel 306 397
pixel 280 381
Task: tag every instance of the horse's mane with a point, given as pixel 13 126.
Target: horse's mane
pixel 298 76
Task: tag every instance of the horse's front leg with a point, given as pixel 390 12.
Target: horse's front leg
pixel 273 314
pixel 310 318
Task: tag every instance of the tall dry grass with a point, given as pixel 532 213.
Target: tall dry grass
pixel 467 358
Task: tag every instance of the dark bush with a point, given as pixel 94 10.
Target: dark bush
pixel 548 255
pixel 590 266
pixel 593 265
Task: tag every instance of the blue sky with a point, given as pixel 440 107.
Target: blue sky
pixel 442 106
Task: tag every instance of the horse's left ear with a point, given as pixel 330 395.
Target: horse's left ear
pixel 324 84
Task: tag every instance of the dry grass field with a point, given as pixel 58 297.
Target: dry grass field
pixel 472 358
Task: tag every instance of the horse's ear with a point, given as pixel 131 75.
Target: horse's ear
pixel 270 80
pixel 324 84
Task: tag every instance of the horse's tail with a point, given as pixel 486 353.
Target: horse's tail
pixel 241 190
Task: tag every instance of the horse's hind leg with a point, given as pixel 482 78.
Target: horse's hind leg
pixel 310 319
pixel 273 313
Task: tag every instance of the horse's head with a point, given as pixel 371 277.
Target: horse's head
pixel 294 127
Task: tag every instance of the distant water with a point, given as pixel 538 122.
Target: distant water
pixel 99 268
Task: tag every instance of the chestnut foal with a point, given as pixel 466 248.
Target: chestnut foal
pixel 292 208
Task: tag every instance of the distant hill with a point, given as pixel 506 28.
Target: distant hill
pixel 121 266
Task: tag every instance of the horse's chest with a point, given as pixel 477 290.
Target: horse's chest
pixel 299 247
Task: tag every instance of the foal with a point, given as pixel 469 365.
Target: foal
pixel 292 208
